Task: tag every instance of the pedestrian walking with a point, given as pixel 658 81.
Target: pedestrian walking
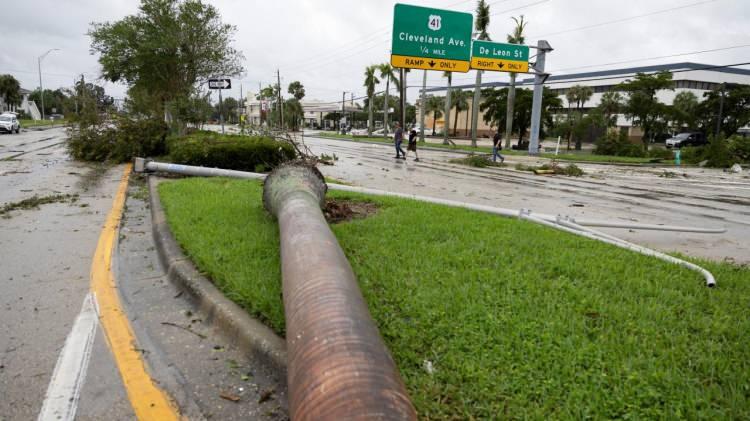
pixel 398 138
pixel 497 146
pixel 412 145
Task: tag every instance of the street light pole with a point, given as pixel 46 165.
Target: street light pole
pixel 39 64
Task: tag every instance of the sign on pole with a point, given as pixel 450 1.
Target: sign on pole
pixel 499 57
pixel 219 84
pixel 431 39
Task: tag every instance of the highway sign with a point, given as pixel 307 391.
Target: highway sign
pixel 219 84
pixel 431 39
pixel 499 57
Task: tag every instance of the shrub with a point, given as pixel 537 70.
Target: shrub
pixel 717 153
pixel 120 142
pixel 617 144
pixel 232 152
pixel 739 148
pixel 693 154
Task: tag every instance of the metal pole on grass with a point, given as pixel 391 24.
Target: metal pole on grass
pixel 536 108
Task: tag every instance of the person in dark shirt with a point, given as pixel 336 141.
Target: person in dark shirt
pixel 497 145
pixel 412 145
pixel 398 138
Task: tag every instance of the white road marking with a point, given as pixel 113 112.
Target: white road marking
pixel 61 400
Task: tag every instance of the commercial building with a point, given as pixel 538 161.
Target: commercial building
pixel 688 77
pixel 315 111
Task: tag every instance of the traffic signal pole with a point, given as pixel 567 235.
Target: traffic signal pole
pixel 536 107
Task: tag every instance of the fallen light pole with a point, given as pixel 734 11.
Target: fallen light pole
pixel 564 223
pixel 338 366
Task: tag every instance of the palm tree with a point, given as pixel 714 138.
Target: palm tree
pixel 482 22
pixel 578 94
pixel 434 105
pixel 447 141
pixel 610 105
pixel 370 81
pixel 516 37
pixel 386 73
pixel 460 103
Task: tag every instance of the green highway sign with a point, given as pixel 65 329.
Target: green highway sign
pixel 431 39
pixel 499 57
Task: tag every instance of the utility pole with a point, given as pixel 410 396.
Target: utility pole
pixel 281 106
pixel 422 99
pixel 721 111
pixel 221 112
pixel 39 64
pixel 536 107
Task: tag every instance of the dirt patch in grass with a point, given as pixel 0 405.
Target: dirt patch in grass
pixel 337 211
pixel 35 202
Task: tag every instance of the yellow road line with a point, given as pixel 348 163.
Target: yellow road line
pixel 149 402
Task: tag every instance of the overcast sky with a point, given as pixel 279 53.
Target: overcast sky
pixel 326 44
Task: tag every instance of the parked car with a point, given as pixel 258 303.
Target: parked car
pixel 686 139
pixel 9 123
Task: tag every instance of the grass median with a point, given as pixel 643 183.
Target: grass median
pixel 489 317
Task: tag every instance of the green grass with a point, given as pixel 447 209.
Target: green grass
pixel 519 321
pixel 564 156
pixel 42 123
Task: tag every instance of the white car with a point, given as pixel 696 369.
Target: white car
pixel 9 123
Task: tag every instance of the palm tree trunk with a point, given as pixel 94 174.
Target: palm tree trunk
pixel 434 118
pixel 370 119
pixel 475 110
pixel 385 108
pixel 466 128
pixel 446 126
pixel 509 110
pixel 570 127
pixel 455 123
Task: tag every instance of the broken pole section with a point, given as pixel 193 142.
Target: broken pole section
pixel 338 365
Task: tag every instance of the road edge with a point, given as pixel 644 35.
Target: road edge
pixel 232 322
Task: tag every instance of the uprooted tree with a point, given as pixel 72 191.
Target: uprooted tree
pixel 165 52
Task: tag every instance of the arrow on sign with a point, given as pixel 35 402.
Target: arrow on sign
pixel 500 65
pixel 432 63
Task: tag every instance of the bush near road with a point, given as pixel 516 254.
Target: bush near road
pixel 514 319
pixel 231 152
pixel 119 142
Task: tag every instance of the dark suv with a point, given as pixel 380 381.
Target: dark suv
pixel 686 139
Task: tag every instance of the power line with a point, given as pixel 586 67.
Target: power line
pixel 519 8
pixel 596 25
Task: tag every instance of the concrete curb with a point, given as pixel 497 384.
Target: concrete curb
pixel 234 323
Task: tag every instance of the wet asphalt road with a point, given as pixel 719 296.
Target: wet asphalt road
pixel 692 197
pixel 45 259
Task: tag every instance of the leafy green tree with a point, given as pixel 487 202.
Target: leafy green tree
pixel 296 90
pixel 735 111
pixel 642 106
pixel 684 110
pixel 166 50
pixel 196 110
pixel 494 109
pixel 387 74
pixel 434 105
pixel 293 113
pixel 228 108
pixel 481 23
pixel 517 37
pixel 370 81
pixel 10 90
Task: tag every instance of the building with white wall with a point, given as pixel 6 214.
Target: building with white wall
pixel 691 77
